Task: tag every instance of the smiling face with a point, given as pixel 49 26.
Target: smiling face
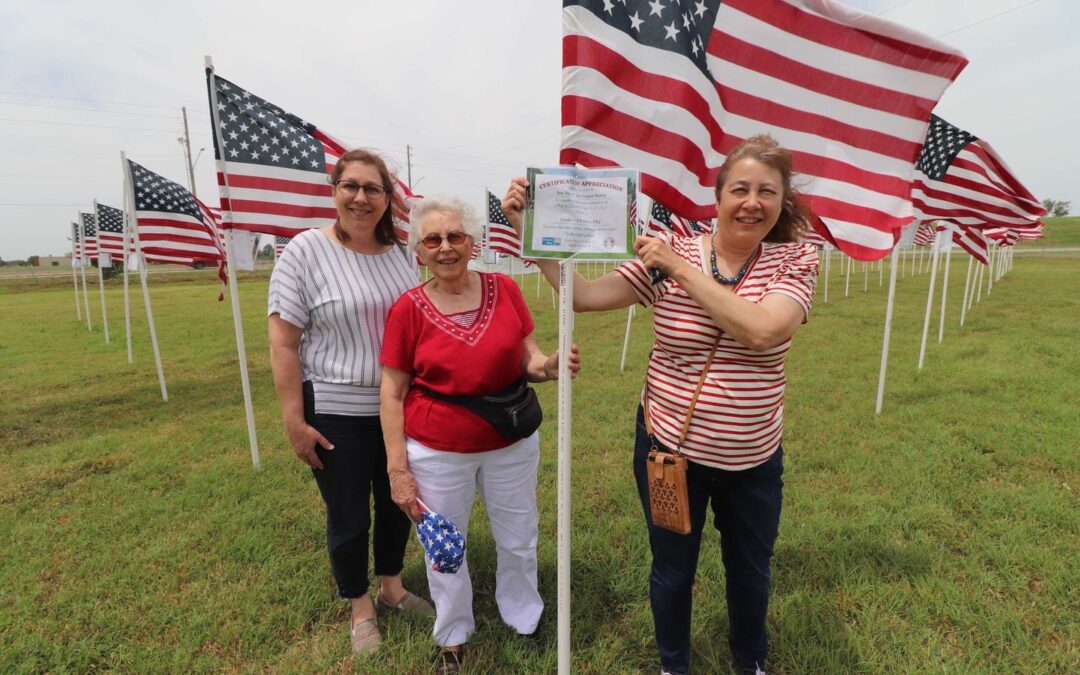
pixel 448 260
pixel 358 212
pixel 749 201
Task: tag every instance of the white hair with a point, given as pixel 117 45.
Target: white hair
pixel 470 222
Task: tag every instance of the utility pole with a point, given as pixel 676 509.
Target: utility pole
pixel 186 140
pixel 408 165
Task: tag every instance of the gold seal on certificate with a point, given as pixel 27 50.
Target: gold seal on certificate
pixel 585 214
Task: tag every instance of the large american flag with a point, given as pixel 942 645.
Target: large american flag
pixel 960 178
pixel 670 87
pixel 174 226
pixel 89 237
pixel 277 166
pixel 110 224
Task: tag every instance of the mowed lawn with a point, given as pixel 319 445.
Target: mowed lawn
pixel 940 536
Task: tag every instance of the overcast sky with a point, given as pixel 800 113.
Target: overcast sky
pixel 472 87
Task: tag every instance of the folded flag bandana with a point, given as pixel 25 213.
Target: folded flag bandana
pixel 443 544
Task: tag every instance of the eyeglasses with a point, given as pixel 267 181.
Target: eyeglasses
pixel 456 238
pixel 350 188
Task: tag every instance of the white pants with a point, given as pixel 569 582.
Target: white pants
pixel 506 479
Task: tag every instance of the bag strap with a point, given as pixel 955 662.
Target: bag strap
pixel 689 410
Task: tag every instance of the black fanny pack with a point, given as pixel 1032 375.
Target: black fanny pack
pixel 514 412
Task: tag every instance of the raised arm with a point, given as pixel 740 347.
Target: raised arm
pixel 610 291
pixel 288 381
pixel 394 387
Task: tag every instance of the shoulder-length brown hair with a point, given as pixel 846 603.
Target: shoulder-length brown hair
pixel 385 233
pixel 793 220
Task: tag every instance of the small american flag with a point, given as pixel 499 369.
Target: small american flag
pixel 662 220
pixel 174 226
pixel 110 222
pixel 924 235
pixel 973 241
pixel 279 245
pixel 76 246
pixel 273 170
pixel 501 235
pixel 670 88
pixel 960 178
pixel 1004 236
pixel 89 237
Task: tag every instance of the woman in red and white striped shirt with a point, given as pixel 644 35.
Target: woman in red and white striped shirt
pixel 740 292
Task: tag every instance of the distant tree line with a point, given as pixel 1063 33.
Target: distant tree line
pixel 1056 207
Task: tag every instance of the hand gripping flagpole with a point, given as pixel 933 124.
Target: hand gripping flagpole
pixel 142 277
pixel 566 339
pixel 101 277
pixel 888 330
pixel 234 293
pixel 934 255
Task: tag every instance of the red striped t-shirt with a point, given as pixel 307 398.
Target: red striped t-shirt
pixel 739 417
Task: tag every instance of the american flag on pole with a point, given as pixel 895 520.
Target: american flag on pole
pixel 174 227
pixel 110 222
pixel 501 235
pixel 89 237
pixel 76 246
pixel 1032 233
pixel 960 178
pixel 973 241
pixel 670 87
pixel 924 235
pixel 662 221
pixel 273 167
pixel 1004 236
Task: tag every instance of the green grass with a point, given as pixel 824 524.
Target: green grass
pixel 1059 232
pixel 941 536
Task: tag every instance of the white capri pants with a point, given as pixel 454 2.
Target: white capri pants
pixel 506 479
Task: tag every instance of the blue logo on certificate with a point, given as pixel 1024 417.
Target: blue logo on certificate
pixel 550 241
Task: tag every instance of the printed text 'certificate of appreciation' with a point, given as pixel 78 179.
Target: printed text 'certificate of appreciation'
pixel 581 213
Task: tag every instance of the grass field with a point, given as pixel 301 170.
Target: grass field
pixel 941 536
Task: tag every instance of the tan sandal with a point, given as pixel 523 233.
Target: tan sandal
pixel 409 604
pixel 366 637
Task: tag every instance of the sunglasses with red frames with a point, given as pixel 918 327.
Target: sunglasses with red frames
pixel 456 238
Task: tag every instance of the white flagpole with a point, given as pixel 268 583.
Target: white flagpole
pixel 901 261
pixel 929 297
pixel 888 331
pixel 979 276
pixel 101 280
pixel 83 260
pixel 880 272
pixel 922 251
pixel 75 272
pixel 967 287
pixel 128 223
pixel 145 289
pixel 566 339
pixel 234 294
pixel 865 275
pixel 994 255
pixel 828 257
pixel 626 338
pixel 944 287
pixel 848 264
pixel 912 256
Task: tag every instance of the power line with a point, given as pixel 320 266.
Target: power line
pixel 89 100
pixel 77 124
pixel 975 23
pixel 893 7
pixel 108 112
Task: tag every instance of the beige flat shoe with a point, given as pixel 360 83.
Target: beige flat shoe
pixel 410 604
pixel 366 637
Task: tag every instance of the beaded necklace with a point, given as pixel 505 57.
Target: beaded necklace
pixel 733 280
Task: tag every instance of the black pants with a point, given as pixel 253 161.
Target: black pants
pixel 353 471
pixel 746 512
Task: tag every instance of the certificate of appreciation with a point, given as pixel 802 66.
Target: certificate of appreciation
pixel 580 213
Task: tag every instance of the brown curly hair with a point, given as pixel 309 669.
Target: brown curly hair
pixel 793 220
pixel 385 233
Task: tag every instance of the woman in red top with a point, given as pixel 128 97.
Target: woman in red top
pixel 736 295
pixel 463 333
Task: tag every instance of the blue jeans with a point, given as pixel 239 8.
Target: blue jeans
pixel 746 512
pixel 353 473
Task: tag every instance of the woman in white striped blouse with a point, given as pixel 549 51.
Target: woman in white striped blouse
pixel 740 292
pixel 329 296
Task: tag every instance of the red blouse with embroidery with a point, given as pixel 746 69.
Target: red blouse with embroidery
pixel 454 360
